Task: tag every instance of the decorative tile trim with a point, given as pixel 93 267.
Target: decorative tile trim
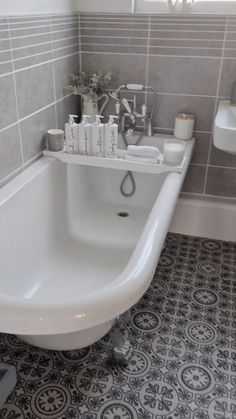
pixel 182 36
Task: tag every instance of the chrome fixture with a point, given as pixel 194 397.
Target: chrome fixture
pixel 129 120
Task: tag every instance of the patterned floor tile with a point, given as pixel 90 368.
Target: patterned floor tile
pixel 183 333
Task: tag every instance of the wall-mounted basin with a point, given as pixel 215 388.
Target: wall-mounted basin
pixel 225 127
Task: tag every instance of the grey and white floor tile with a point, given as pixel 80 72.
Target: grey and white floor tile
pixel 183 333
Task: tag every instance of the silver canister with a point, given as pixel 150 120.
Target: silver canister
pixel 55 139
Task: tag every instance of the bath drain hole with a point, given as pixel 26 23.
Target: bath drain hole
pixel 123 214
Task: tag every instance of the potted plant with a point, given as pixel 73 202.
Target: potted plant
pixel 91 88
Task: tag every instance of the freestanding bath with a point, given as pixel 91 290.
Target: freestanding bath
pixel 69 264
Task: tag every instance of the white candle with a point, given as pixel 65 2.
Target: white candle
pixel 184 125
pixel 173 152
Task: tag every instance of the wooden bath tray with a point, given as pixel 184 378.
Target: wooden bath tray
pixel 118 163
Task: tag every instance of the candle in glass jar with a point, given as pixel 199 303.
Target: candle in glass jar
pixel 184 125
pixel 173 152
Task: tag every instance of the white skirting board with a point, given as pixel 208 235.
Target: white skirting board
pixel 215 220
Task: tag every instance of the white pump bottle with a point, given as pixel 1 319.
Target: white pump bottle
pixel 85 136
pixel 111 137
pixel 98 136
pixel 72 135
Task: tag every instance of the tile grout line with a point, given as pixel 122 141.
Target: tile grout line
pixel 39 64
pixel 160 38
pixel 34 113
pixel 79 35
pixel 214 165
pixel 53 73
pixel 157 46
pixel 27 57
pixel 201 196
pixel 20 169
pixel 25 28
pixel 16 99
pixel 38 34
pixel 215 106
pixel 11 175
pixel 156 55
pixel 46 52
pixel 147 59
pixel 38 45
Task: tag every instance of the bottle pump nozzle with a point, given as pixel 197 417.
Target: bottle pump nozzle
pixel 98 119
pixel 72 119
pixel 111 119
pixel 85 118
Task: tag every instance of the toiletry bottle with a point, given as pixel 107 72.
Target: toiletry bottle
pixel 98 135
pixel 85 136
pixel 72 135
pixel 111 137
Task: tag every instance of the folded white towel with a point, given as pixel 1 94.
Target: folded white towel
pixel 153 160
pixel 143 151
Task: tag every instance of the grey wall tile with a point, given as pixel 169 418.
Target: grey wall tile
pixel 31 50
pixel 221 182
pixel 64 27
pixel 91 40
pixel 4 44
pixel 4 32
pixel 30 31
pixel 34 132
pixel 10 151
pixel 184 75
pixel 170 105
pixel 126 68
pixel 190 35
pixel 5 56
pixel 34 88
pixel 121 49
pixel 220 158
pixel 8 113
pixel 188 43
pixel 65 51
pixel 228 77
pixel 31 61
pixel 5 68
pixel 60 43
pixel 69 105
pixel 22 21
pixel 34 50
pixel 63 68
pixel 30 40
pixel 201 149
pixel 70 33
pixel 111 24
pixel 185 52
pixel 194 182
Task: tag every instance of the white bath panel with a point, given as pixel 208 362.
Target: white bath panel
pixel 215 220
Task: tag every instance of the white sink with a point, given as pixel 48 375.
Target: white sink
pixel 225 127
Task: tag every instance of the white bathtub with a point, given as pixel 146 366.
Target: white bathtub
pixel 69 265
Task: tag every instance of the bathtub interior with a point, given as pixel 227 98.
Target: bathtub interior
pixel 61 235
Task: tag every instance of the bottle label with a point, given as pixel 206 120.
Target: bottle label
pixel 86 139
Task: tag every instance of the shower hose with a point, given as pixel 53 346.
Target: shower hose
pixel 129 175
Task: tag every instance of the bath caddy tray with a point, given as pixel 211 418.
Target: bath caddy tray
pixel 118 163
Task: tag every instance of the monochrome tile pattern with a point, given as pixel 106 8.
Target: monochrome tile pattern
pixel 37 54
pixel 190 60
pixel 183 333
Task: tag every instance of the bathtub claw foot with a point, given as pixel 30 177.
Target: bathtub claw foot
pixel 123 353
pixel 122 350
